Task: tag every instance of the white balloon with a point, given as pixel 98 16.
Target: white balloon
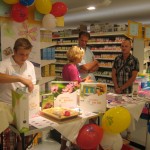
pixel 49 22
pixel 112 141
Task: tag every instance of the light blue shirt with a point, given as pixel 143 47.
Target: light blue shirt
pixel 87 58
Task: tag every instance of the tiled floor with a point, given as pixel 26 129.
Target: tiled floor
pixel 47 145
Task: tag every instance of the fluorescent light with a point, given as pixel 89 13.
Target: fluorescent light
pixel 91 8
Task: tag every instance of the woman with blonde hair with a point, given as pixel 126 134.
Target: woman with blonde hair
pixel 70 71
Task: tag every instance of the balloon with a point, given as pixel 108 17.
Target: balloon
pixel 59 9
pixel 43 6
pixel 49 22
pixel 19 12
pixel 89 136
pixel 26 2
pixel 11 1
pixel 111 141
pixel 116 120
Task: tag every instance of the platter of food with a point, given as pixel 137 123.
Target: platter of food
pixel 60 113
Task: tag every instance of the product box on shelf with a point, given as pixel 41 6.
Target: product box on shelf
pixel 25 105
pixel 93 97
pixel 65 93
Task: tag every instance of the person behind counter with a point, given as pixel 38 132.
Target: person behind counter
pixel 17 65
pixel 125 69
pixel 16 71
pixel 88 65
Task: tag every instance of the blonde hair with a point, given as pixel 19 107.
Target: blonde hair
pixel 74 53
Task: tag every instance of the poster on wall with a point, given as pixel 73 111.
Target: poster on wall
pixel 11 31
pixel 134 29
pixel 147 32
pixel 4 9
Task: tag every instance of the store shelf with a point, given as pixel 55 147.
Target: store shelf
pixel 103 34
pixel 60 56
pixel 103 43
pixel 110 84
pixel 61 63
pixel 59 44
pixel 46 44
pixel 66 37
pixel 107 76
pixel 109 51
pixel 46 62
pixel 61 50
pixel 105 46
pixel 44 80
pixel 105 58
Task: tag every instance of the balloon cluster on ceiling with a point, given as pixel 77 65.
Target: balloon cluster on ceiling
pixel 19 11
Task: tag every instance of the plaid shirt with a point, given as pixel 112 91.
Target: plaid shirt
pixel 124 70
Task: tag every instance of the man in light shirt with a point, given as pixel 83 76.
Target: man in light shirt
pixel 88 64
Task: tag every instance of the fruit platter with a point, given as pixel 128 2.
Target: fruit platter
pixel 60 113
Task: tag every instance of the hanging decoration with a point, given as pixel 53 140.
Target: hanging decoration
pixel 27 2
pixel 43 6
pixel 19 13
pixel 49 22
pixel 11 1
pixel 28 32
pixel 59 9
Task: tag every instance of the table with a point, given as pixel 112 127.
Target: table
pixel 68 133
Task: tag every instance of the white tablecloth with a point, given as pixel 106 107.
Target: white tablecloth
pixel 5 116
pixel 69 129
pixel 135 108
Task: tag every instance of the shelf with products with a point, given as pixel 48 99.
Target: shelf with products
pixel 47 53
pixel 146 63
pixel 105 46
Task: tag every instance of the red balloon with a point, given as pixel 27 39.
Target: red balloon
pixel 59 9
pixel 19 12
pixel 89 136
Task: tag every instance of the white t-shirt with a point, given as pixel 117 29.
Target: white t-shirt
pixel 87 58
pixel 8 66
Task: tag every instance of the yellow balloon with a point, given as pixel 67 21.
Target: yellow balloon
pixel 116 120
pixel 11 1
pixel 43 6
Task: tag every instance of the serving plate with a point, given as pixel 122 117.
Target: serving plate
pixel 60 113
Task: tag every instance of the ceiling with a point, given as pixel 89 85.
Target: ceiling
pixel 107 11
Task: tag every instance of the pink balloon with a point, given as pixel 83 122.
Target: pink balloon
pixel 19 12
pixel 89 136
pixel 59 9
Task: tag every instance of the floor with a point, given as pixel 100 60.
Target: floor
pixel 47 145
pixel 51 145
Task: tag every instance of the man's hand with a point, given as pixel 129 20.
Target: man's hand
pixel 28 83
pixel 118 90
